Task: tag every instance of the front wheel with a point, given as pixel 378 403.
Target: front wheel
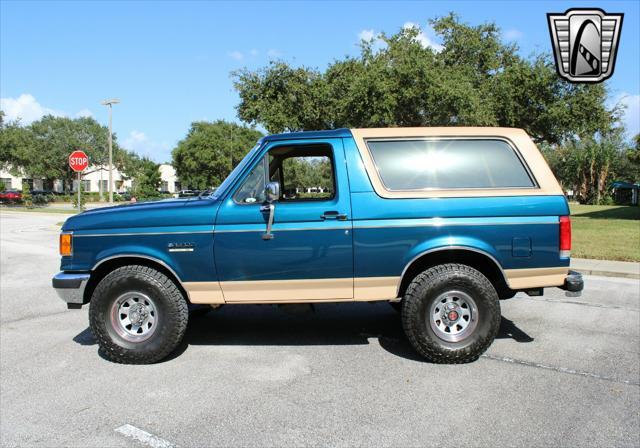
pixel 451 313
pixel 138 315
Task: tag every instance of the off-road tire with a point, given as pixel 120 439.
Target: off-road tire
pixel 171 307
pixel 425 289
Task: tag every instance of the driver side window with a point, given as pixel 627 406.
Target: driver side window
pixel 252 189
pixel 304 172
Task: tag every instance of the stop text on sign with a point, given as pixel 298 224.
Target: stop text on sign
pixel 78 161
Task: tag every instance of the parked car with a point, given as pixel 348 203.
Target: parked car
pixel 441 223
pixel 122 196
pixel 188 193
pixel 42 192
pixel 10 196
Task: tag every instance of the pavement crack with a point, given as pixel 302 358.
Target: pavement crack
pixel 561 369
pixel 42 316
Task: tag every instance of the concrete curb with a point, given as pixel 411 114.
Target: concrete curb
pixel 607 273
pixel 606 268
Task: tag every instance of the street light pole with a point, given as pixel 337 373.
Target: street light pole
pixel 110 103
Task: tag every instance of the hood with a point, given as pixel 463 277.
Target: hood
pixel 168 212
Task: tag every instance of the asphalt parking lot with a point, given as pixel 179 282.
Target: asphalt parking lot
pixel 563 372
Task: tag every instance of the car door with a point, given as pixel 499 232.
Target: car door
pixel 308 255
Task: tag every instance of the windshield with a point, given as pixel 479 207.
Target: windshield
pixel 234 174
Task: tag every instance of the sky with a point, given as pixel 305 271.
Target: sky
pixel 170 62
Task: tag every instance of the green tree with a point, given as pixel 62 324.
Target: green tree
pixel 475 80
pixel 589 165
pixel 627 166
pixel 210 151
pixel 42 149
pixel 17 144
pixel 56 138
pixel 147 179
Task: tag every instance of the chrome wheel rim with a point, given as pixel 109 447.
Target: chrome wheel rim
pixel 134 316
pixel 453 316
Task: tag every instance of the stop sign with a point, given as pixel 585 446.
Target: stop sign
pixel 78 161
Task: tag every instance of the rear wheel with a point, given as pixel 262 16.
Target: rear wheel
pixel 451 313
pixel 138 315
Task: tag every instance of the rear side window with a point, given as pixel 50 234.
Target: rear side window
pixel 448 164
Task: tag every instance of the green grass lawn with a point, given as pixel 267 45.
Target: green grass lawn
pixel 605 232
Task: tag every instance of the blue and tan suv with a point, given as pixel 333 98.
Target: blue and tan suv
pixel 440 222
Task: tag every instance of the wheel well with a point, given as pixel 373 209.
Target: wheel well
pixel 110 265
pixel 479 261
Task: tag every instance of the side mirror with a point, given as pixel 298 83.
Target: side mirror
pixel 272 192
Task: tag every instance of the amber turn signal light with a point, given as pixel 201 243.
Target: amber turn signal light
pixel 65 244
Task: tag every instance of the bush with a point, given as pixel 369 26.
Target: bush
pixel 607 200
pixel 40 200
pixel 62 198
pixel 27 199
pixel 83 202
pixel 91 196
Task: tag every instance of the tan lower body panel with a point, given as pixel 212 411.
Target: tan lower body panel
pixel 375 288
pixel 204 292
pixel 340 289
pixel 289 291
pixel 294 291
pixel 536 277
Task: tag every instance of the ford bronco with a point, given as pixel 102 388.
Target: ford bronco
pixel 440 222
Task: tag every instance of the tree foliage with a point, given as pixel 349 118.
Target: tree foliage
pixel 42 149
pixel 147 179
pixel 210 151
pixel 307 172
pixel 16 143
pixel 588 166
pixel 475 80
pixel 27 198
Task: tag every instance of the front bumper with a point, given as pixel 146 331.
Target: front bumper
pixel 70 287
pixel 573 284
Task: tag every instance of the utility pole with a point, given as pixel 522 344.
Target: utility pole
pixel 110 103
pixel 101 189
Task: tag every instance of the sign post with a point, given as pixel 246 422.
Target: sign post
pixel 78 162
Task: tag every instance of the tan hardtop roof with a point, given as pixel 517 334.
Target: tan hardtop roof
pixel 465 131
pixel 518 138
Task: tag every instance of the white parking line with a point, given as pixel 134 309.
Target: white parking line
pixel 144 437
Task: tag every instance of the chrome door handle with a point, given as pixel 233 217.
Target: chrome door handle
pixel 333 215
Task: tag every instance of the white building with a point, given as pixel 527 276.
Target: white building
pixel 170 181
pixel 91 180
pixel 92 177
